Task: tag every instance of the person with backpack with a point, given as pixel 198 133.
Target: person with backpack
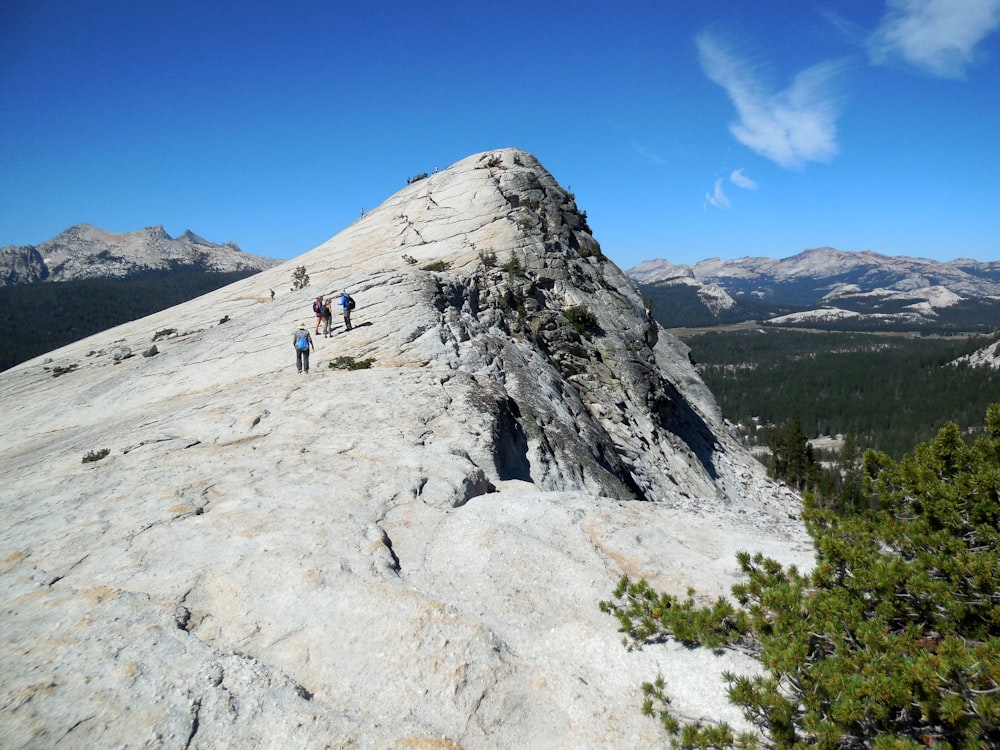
pixel 303 344
pixel 347 303
pixel 318 309
pixel 327 316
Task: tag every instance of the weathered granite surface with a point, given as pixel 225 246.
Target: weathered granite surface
pixel 409 555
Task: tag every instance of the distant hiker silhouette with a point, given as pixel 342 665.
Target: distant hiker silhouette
pixel 272 295
pixel 303 344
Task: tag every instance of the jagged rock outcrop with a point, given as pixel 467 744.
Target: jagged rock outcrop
pixel 86 252
pixel 21 265
pixel 406 554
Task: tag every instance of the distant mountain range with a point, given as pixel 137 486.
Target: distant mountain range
pixel 105 279
pixel 86 252
pixel 828 288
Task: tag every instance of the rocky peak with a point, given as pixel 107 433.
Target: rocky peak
pixel 405 546
pixel 86 252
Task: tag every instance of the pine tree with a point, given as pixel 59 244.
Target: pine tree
pixel 891 641
pixel 851 494
pixel 792 458
pixel 300 279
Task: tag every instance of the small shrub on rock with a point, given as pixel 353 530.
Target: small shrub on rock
pixel 350 363
pixel 437 265
pixel 60 370
pixel 93 456
pixel 513 266
pixel 526 224
pixel 582 319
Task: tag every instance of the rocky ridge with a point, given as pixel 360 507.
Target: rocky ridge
pixel 86 252
pixel 830 267
pixel 826 284
pixel 408 554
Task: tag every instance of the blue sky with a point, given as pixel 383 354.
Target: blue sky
pixel 686 130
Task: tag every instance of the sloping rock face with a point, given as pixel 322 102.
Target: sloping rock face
pixel 86 252
pixel 407 555
pixel 21 265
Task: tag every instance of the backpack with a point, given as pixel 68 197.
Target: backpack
pixel 317 306
pixel 302 340
pixel 350 302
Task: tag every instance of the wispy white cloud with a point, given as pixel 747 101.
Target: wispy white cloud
pixel 717 197
pixel 938 36
pixel 649 155
pixel 741 180
pixel 790 127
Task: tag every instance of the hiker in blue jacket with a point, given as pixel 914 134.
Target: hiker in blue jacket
pixel 347 304
pixel 303 344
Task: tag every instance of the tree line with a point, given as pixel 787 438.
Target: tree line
pixel 37 318
pixel 890 392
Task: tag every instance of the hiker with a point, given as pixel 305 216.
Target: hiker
pixel 303 344
pixel 318 309
pixel 348 304
pixel 327 316
pixel 272 295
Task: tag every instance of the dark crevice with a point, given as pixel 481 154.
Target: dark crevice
pixel 392 553
pixel 511 444
pixel 195 710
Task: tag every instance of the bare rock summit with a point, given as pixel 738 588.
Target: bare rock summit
pixel 405 547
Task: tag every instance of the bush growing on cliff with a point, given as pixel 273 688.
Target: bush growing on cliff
pixel 582 319
pixel 513 267
pixel 892 641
